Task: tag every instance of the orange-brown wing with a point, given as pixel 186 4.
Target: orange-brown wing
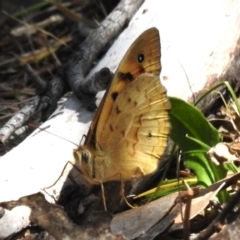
pixel 135 134
pixel 143 56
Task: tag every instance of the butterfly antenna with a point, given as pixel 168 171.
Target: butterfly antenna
pixel 60 175
pixel 44 129
pixel 84 136
pixel 63 138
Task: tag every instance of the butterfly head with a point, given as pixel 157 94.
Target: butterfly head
pixel 84 161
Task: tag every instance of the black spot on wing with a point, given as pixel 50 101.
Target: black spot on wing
pixel 114 95
pixel 149 134
pixel 125 76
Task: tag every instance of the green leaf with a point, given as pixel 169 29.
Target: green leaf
pixel 188 120
pixel 195 136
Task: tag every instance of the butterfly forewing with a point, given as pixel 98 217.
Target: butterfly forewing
pixel 146 48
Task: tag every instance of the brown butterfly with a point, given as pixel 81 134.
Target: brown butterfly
pixel 129 131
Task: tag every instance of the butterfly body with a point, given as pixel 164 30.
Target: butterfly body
pixel 129 132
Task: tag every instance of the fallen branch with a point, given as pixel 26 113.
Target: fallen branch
pixel 72 75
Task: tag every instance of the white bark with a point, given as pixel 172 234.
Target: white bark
pixel 199 38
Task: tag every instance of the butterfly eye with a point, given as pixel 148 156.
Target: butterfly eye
pixel 85 156
pixel 140 58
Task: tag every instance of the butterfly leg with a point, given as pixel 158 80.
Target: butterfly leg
pixel 122 190
pixel 139 172
pixel 103 197
pixel 44 189
pixel 73 178
pixel 124 197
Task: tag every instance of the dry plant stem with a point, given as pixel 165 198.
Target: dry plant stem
pixel 187 213
pixel 18 119
pixel 48 102
pixel 74 16
pixel 40 85
pixel 73 74
pixel 98 82
pixel 50 93
pixel 92 45
pixel 218 223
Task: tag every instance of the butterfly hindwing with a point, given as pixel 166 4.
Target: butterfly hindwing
pixel 137 128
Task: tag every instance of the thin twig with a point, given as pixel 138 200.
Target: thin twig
pixel 218 223
pixel 77 69
pixel 17 120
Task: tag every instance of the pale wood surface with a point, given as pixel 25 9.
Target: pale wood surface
pixel 199 42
